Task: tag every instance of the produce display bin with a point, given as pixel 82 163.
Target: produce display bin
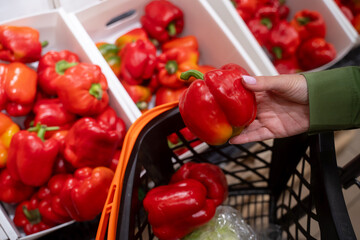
pixel 338 33
pixel 54 28
pixel 108 20
pixel 291 182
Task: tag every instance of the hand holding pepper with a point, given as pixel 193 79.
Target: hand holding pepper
pixel 216 106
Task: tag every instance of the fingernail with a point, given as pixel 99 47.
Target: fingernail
pixel 249 79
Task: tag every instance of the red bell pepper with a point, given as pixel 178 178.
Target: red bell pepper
pixel 172 63
pixel 131 36
pixel 83 89
pixel 166 95
pixel 283 41
pixel 90 143
pixel 53 64
pixel 176 209
pixel 288 65
pixel 11 190
pixel 51 112
pixel 210 175
pixel 356 22
pixel 141 95
pixel 216 106
pixel 115 160
pixel 29 152
pixel 182 42
pixel 138 60
pixel 245 8
pixel 309 24
pixel 50 207
pixel 315 52
pixel 19 44
pixel 20 83
pixel 111 121
pixel 84 194
pixel 260 28
pixel 347 12
pixel 28 217
pixel 3 98
pixel 110 53
pixel 162 20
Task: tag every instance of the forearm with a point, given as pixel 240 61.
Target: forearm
pixel 334 99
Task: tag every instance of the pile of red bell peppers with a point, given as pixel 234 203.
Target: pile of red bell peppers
pixel 351 10
pixel 187 202
pixel 148 60
pixel 59 137
pixel 295 43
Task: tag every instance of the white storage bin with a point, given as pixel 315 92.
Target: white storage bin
pixel 217 45
pixel 53 27
pixel 337 34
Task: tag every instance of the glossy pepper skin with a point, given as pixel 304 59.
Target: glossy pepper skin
pixel 218 107
pixel 287 66
pixel 28 217
pixel 260 28
pixel 13 191
pixel 29 152
pixel 51 112
pixel 176 209
pixel 309 24
pixel 315 52
pixel 50 206
pixel 110 53
pixel 83 89
pixel 53 64
pixel 138 60
pixel 19 44
pixel 111 121
pixel 20 83
pixel 85 193
pixel 162 20
pixel 283 41
pixel 210 175
pixel 172 63
pixel 245 8
pixel 7 130
pixel 91 143
pixel 3 68
pixel 131 36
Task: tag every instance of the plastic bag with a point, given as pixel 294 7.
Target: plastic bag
pixel 227 224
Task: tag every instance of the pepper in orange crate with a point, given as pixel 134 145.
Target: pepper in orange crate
pixel 19 44
pixel 216 106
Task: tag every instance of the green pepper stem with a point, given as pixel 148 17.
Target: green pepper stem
pixel 109 49
pixel 33 216
pixel 192 73
pixel 142 105
pixel 41 129
pixel 277 52
pixel 171 66
pixel 62 65
pixel 266 22
pixel 44 43
pixel 171 29
pixel 96 90
pixel 303 20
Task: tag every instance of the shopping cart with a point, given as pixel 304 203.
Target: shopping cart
pixel 292 183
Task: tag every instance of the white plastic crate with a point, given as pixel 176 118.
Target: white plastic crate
pixel 339 35
pixel 54 28
pixel 217 45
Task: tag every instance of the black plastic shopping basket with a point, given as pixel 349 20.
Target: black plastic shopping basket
pixel 292 182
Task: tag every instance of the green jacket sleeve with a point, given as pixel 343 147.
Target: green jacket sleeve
pixel 334 99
